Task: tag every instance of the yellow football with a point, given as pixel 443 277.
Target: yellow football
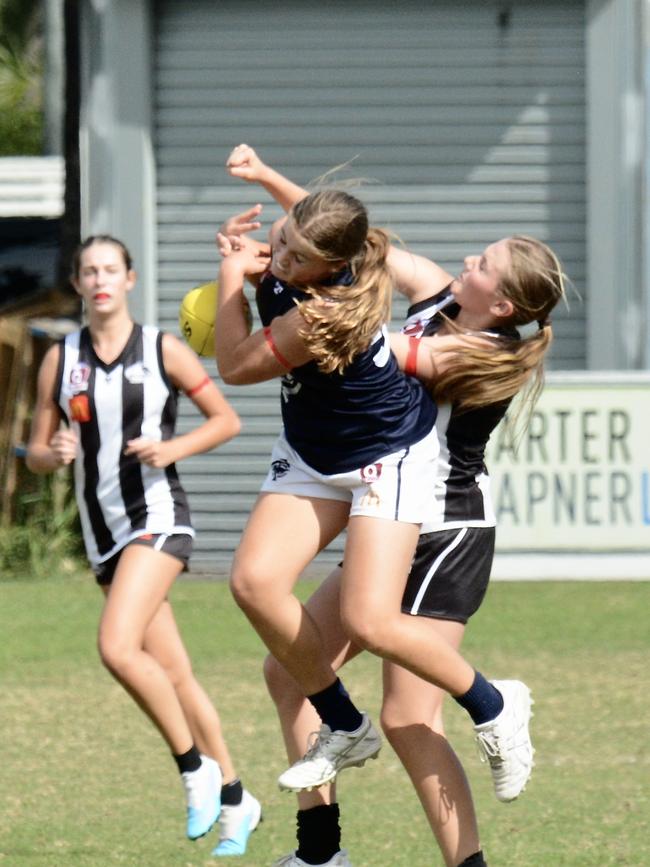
pixel 197 314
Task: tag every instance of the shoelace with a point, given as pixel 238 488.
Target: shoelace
pixel 489 747
pixel 316 741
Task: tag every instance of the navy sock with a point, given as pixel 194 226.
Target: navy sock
pixel 475 860
pixel 189 761
pixel 319 833
pixel 232 793
pixel 334 707
pixel 482 701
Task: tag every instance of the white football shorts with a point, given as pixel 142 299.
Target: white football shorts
pixel 397 487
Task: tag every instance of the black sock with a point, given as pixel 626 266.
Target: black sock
pixel 189 761
pixel 319 833
pixel 482 701
pixel 475 860
pixel 334 707
pixel 231 793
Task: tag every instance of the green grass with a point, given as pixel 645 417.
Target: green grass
pixel 85 780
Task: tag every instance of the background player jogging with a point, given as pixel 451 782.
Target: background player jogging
pixel 115 384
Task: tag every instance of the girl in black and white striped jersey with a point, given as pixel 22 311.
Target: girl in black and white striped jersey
pixel 115 384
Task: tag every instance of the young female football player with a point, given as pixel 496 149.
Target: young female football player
pixel 115 385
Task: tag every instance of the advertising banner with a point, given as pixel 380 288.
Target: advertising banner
pixel 578 478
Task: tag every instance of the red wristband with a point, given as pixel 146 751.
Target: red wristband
pixel 411 365
pixel 274 349
pixel 192 391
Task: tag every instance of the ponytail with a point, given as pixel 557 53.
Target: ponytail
pixel 343 320
pixel 475 376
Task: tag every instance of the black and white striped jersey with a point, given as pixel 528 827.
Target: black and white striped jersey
pixel 462 491
pixel 120 498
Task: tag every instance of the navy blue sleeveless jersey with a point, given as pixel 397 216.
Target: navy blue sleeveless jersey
pixel 340 421
pixel 462 486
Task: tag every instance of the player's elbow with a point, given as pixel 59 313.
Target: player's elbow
pixel 230 374
pixel 34 464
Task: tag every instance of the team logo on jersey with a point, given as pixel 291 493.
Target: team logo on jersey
pixel 79 407
pixel 370 473
pixel 380 358
pixel 79 376
pixel 278 288
pixel 136 373
pixel 289 386
pixel 279 468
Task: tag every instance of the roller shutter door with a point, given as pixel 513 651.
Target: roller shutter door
pixel 465 119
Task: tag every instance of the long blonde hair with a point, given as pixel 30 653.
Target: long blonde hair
pixel 342 320
pixel 478 376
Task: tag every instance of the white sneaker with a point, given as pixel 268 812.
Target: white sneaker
pixel 504 742
pixel 330 753
pixel 339 860
pixel 203 792
pixel 236 824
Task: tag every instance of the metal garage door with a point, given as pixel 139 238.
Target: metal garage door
pixel 466 119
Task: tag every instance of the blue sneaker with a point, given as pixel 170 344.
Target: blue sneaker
pixel 237 824
pixel 203 792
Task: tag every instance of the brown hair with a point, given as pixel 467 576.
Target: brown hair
pixel 479 376
pixel 99 239
pixel 342 320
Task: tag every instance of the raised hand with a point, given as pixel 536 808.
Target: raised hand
pixel 244 163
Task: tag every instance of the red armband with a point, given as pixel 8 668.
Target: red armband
pixel 411 365
pixel 192 391
pixel 274 349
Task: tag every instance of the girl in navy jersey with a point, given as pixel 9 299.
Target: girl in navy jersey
pixel 115 385
pixel 451 568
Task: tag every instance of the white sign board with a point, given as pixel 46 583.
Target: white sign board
pixel 578 480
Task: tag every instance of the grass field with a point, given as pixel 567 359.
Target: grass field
pixel 86 782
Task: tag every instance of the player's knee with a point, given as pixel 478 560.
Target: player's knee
pixel 364 630
pixel 247 586
pixel 391 718
pixel 114 653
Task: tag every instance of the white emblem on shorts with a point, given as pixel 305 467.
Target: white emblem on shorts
pixel 370 473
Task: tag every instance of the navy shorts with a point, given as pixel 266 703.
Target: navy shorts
pixel 178 545
pixel 450 573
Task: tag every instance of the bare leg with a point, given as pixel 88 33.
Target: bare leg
pixel 266 567
pixel 163 641
pixel 377 560
pixel 411 718
pixel 140 585
pixel 412 721
pixel 298 719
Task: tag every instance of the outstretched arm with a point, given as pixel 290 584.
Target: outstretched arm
pixel 416 277
pixel 244 163
pixel 428 358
